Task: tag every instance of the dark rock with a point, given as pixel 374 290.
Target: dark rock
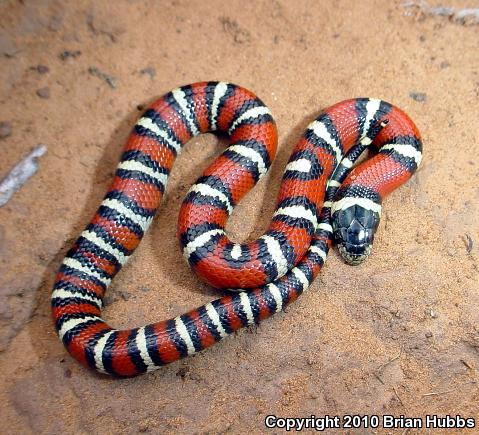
pixel 469 242
pixel 143 427
pixel 108 300
pixel 182 372
pixel 5 129
pixel 420 97
pixel 124 295
pixel 239 34
pixel 44 92
pixel 150 71
pixel 64 55
pixel 42 69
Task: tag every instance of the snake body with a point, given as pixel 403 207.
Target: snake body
pixel 319 195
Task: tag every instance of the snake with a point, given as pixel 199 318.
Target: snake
pixel 325 196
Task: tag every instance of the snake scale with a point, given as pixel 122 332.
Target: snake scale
pixel 322 197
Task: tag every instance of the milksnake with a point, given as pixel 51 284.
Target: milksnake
pixel 320 198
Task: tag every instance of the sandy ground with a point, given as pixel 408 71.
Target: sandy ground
pixel 397 335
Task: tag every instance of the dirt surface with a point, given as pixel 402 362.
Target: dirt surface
pixel 398 335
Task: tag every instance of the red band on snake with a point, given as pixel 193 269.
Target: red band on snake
pixel 320 197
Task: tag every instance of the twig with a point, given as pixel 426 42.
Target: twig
pixel 107 78
pixel 20 174
pixel 397 395
pixel 390 361
pixel 378 377
pixel 381 367
pixel 438 393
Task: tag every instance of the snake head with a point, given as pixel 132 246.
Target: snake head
pixel 353 231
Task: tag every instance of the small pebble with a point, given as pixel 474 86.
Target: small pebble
pixel 469 243
pixel 64 55
pixel 428 334
pixel 420 97
pixel 143 427
pixel 182 372
pixel 195 377
pixel 5 129
pixel 124 295
pixel 108 300
pixel 42 69
pixel 43 92
pixel 150 71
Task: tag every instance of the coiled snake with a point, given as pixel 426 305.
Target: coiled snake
pixel 320 198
